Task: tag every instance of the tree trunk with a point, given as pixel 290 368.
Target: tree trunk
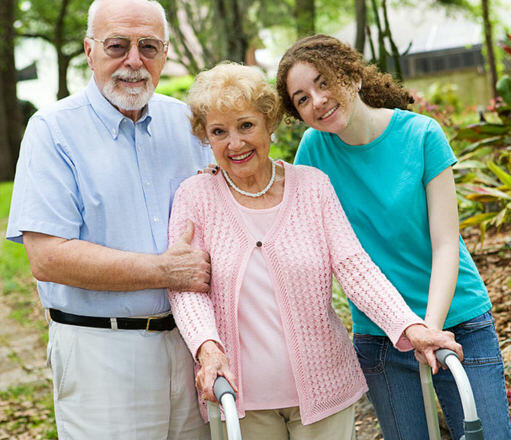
pixel 361 18
pixel 63 64
pixel 10 116
pixel 237 39
pixel 62 59
pixel 305 15
pixel 489 46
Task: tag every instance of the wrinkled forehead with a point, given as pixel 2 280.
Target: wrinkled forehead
pixel 128 18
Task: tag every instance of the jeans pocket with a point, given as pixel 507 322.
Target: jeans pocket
pixel 370 352
pixel 479 340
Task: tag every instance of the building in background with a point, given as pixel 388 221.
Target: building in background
pixel 446 51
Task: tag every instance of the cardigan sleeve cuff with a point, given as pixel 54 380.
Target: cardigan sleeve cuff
pixel 195 343
pixel 400 341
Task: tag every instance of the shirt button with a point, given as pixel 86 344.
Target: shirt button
pixel 156 219
pixel 259 244
pixel 114 131
pixel 148 183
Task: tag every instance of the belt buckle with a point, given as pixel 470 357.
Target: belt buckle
pixel 148 323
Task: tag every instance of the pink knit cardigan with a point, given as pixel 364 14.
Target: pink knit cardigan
pixel 310 238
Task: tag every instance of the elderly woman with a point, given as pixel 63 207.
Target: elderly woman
pixel 276 233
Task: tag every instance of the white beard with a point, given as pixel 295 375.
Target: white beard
pixel 129 98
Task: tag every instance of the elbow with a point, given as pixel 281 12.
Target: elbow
pixel 42 268
pixel 44 256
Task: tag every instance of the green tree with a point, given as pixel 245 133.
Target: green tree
pixel 204 32
pixel 305 14
pixel 10 116
pixel 61 23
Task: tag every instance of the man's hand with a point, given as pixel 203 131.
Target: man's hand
pixel 212 168
pixel 186 268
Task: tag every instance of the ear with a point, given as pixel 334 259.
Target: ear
pixel 87 47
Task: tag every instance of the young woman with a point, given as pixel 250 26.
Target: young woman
pixel 391 170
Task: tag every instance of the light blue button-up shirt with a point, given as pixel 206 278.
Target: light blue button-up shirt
pixel 87 172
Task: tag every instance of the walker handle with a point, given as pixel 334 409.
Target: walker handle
pixel 221 387
pixel 443 353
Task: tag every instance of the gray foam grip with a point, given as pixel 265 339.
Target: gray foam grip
pixel 443 353
pixel 222 387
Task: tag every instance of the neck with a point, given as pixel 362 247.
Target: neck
pixel 134 115
pixel 256 182
pixel 366 124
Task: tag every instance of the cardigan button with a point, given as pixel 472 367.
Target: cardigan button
pixel 259 244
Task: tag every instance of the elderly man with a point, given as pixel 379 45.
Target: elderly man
pixel 91 202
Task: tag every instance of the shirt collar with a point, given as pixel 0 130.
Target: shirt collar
pixel 109 115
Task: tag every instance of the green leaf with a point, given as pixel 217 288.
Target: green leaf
pixel 469 164
pixel 474 146
pixel 481 131
pixel 488 191
pixel 478 219
pixel 504 177
pixel 501 216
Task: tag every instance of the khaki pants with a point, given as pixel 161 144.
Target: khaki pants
pixel 284 424
pixel 123 384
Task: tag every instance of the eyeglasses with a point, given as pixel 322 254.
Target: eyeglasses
pixel 118 47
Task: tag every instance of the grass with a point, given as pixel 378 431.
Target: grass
pixel 26 410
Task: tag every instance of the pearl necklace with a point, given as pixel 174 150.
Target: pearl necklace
pixel 245 193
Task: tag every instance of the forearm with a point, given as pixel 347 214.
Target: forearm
pixel 444 273
pixel 90 266
pixel 195 318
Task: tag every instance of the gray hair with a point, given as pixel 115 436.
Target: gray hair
pixel 93 9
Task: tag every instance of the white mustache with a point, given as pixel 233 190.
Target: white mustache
pixel 131 75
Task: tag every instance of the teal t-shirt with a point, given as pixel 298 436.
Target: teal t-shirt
pixel 382 188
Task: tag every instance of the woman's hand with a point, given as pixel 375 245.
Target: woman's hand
pixel 212 168
pixel 213 363
pixel 426 341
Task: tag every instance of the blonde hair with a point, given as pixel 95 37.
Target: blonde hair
pixel 231 86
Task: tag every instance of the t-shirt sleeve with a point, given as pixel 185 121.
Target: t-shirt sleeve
pixel 45 196
pixel 303 156
pixel 438 154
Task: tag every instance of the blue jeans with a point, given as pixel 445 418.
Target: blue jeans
pixel 395 390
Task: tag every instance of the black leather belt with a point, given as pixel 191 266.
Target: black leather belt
pixel 149 324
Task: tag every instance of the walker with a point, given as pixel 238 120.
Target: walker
pixel 226 396
pixel 448 358
pixel 471 423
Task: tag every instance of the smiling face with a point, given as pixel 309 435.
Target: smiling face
pixel 317 105
pixel 128 82
pixel 240 140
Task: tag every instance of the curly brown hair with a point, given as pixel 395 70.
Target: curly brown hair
pixel 342 66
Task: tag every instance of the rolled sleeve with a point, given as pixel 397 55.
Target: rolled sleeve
pixel 45 195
